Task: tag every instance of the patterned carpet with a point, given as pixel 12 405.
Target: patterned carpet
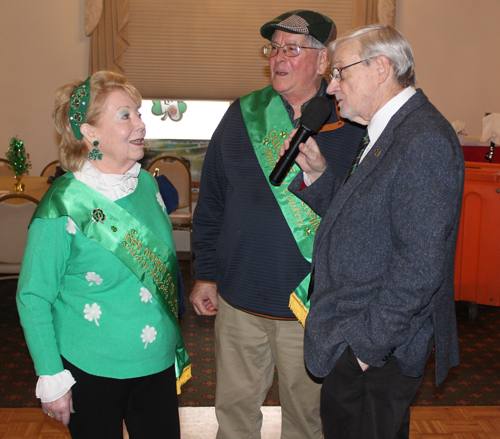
pixel 475 382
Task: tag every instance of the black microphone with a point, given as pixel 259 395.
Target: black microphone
pixel 315 114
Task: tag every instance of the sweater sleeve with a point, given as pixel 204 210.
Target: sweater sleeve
pixel 44 262
pixel 209 212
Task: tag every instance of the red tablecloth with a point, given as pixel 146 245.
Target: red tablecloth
pixel 477 153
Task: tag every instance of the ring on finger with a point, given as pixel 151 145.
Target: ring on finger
pixel 50 415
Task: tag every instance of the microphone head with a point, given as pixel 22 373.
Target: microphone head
pixel 316 113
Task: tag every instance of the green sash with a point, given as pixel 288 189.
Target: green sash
pixel 140 249
pixel 268 125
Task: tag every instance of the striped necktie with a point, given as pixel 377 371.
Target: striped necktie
pixel 364 143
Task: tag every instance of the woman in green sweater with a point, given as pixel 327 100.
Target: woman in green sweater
pixel 97 291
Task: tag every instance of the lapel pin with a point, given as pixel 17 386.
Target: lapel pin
pixel 377 152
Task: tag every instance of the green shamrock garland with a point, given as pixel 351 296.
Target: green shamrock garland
pixel 18 159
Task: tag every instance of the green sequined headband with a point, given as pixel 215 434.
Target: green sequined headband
pixel 78 107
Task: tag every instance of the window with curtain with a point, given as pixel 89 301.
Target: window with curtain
pixel 208 49
pixel 201 49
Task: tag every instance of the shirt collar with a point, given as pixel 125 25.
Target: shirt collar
pixel 383 116
pixel 289 109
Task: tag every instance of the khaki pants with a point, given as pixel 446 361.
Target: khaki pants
pixel 247 349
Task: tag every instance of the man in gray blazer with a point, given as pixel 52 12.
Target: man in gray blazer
pixel 382 290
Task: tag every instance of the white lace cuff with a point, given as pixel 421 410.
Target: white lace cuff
pixel 52 387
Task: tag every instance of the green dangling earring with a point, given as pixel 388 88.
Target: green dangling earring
pixel 95 154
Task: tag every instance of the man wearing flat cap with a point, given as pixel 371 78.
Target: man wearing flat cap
pixel 253 241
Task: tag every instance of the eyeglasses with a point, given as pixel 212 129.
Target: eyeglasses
pixel 290 50
pixel 337 72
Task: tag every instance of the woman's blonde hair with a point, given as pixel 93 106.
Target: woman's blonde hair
pixel 73 152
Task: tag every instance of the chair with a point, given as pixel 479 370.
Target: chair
pixel 50 169
pixel 15 215
pixel 4 170
pixel 176 170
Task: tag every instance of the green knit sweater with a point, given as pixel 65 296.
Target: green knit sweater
pixel 78 300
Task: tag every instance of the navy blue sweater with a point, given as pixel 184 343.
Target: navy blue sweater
pixel 240 237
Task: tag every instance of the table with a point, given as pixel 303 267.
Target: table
pixel 34 186
pixel 477 260
pixel 477 153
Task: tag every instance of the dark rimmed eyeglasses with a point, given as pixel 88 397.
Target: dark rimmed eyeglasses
pixel 337 72
pixel 290 50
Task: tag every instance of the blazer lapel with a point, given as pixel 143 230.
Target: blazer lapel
pixel 369 163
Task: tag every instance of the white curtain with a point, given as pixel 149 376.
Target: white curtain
pixel 106 23
pixel 374 11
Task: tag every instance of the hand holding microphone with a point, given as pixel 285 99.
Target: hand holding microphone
pixel 315 114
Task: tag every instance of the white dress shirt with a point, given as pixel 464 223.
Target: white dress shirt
pixel 383 116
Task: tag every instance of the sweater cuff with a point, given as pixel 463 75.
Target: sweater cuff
pixel 52 387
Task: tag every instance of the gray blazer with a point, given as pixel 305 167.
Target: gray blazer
pixel 384 253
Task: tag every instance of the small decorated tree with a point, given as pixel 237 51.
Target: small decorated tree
pixel 18 159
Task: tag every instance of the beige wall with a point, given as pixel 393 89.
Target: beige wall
pixel 43 46
pixel 456 44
